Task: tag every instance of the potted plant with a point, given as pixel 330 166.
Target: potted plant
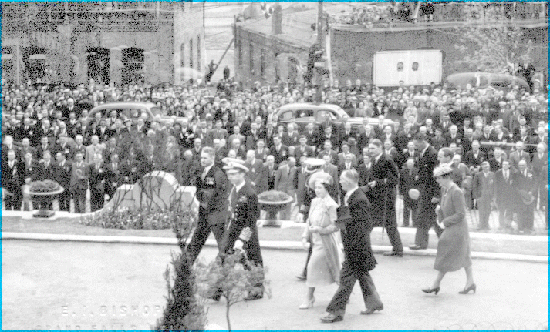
pixel 43 193
pixel 273 201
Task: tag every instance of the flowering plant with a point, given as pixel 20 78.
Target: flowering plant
pixel 134 219
pixel 273 196
pixel 45 186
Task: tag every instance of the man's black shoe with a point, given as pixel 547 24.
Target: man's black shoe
pixel 331 318
pixel 394 253
pixel 301 277
pixel 415 247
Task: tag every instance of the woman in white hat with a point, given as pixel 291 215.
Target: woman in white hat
pixel 324 265
pixel 453 248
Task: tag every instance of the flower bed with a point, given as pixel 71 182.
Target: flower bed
pixel 46 186
pixel 136 219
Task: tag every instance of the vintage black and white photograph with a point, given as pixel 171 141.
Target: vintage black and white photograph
pixel 174 165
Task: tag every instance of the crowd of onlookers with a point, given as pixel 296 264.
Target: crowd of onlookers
pixel 488 135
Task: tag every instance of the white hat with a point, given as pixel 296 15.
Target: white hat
pixel 442 170
pixel 321 176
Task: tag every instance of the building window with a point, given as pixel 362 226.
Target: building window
pixel 262 63
pixel 415 66
pixel 199 61
pixel 182 55
pixel 400 66
pixel 191 53
pixel 251 56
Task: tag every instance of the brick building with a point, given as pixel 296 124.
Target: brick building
pixel 111 42
pixel 266 55
pixel 274 49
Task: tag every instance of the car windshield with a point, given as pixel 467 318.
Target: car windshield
pixel 322 115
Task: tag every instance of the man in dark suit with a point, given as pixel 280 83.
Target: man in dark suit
pixel 525 202
pixel 97 184
pixel 279 151
pixel 302 150
pixel 311 134
pixel 212 193
pixel 327 150
pixel 62 175
pixel 80 174
pixel 475 157
pixel 355 224
pixel 407 181
pixel 244 214
pixel 257 172
pixel 504 195
pixel 380 190
pixel 332 170
pixel 12 180
pixel 364 169
pixel 429 191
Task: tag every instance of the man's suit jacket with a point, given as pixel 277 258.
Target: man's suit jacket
pixel 281 154
pixel 407 181
pixel 333 155
pixel 483 186
pixel 13 177
pixel 291 139
pixel 285 178
pixel 504 189
pixel 307 151
pixel 212 193
pixel 92 151
pixel 516 157
pixel 427 185
pixel 245 214
pixel 472 160
pixel 538 164
pixel 355 223
pixel 386 175
pixel 312 137
pixel 62 175
pixel 257 173
pixel 301 177
pixel 364 173
pixel 334 187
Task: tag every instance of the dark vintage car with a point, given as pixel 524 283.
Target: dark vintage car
pixel 304 113
pixel 483 80
pixel 133 110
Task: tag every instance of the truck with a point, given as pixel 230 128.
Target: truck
pixel 411 67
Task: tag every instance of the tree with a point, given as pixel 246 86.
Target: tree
pixel 234 277
pixel 184 309
pixel 490 41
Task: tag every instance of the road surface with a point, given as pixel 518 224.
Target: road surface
pixel 61 285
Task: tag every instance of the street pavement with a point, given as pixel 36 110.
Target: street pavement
pixel 76 285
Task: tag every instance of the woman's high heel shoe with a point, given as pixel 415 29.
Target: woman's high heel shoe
pixel 431 290
pixel 308 304
pixel 466 290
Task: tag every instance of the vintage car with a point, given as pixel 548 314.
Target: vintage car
pixel 482 80
pixel 304 113
pixel 133 110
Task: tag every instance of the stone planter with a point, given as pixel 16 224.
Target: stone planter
pixel 272 208
pixel 44 198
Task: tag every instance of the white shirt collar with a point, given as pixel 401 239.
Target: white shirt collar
pixel 349 193
pixel 237 188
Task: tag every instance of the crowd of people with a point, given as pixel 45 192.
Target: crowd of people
pixel 496 140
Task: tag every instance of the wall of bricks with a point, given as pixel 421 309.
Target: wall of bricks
pixel 353 51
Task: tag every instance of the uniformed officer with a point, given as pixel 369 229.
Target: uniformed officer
pixel 244 214
pixel 212 191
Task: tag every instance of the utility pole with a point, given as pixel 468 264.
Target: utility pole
pixel 321 45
